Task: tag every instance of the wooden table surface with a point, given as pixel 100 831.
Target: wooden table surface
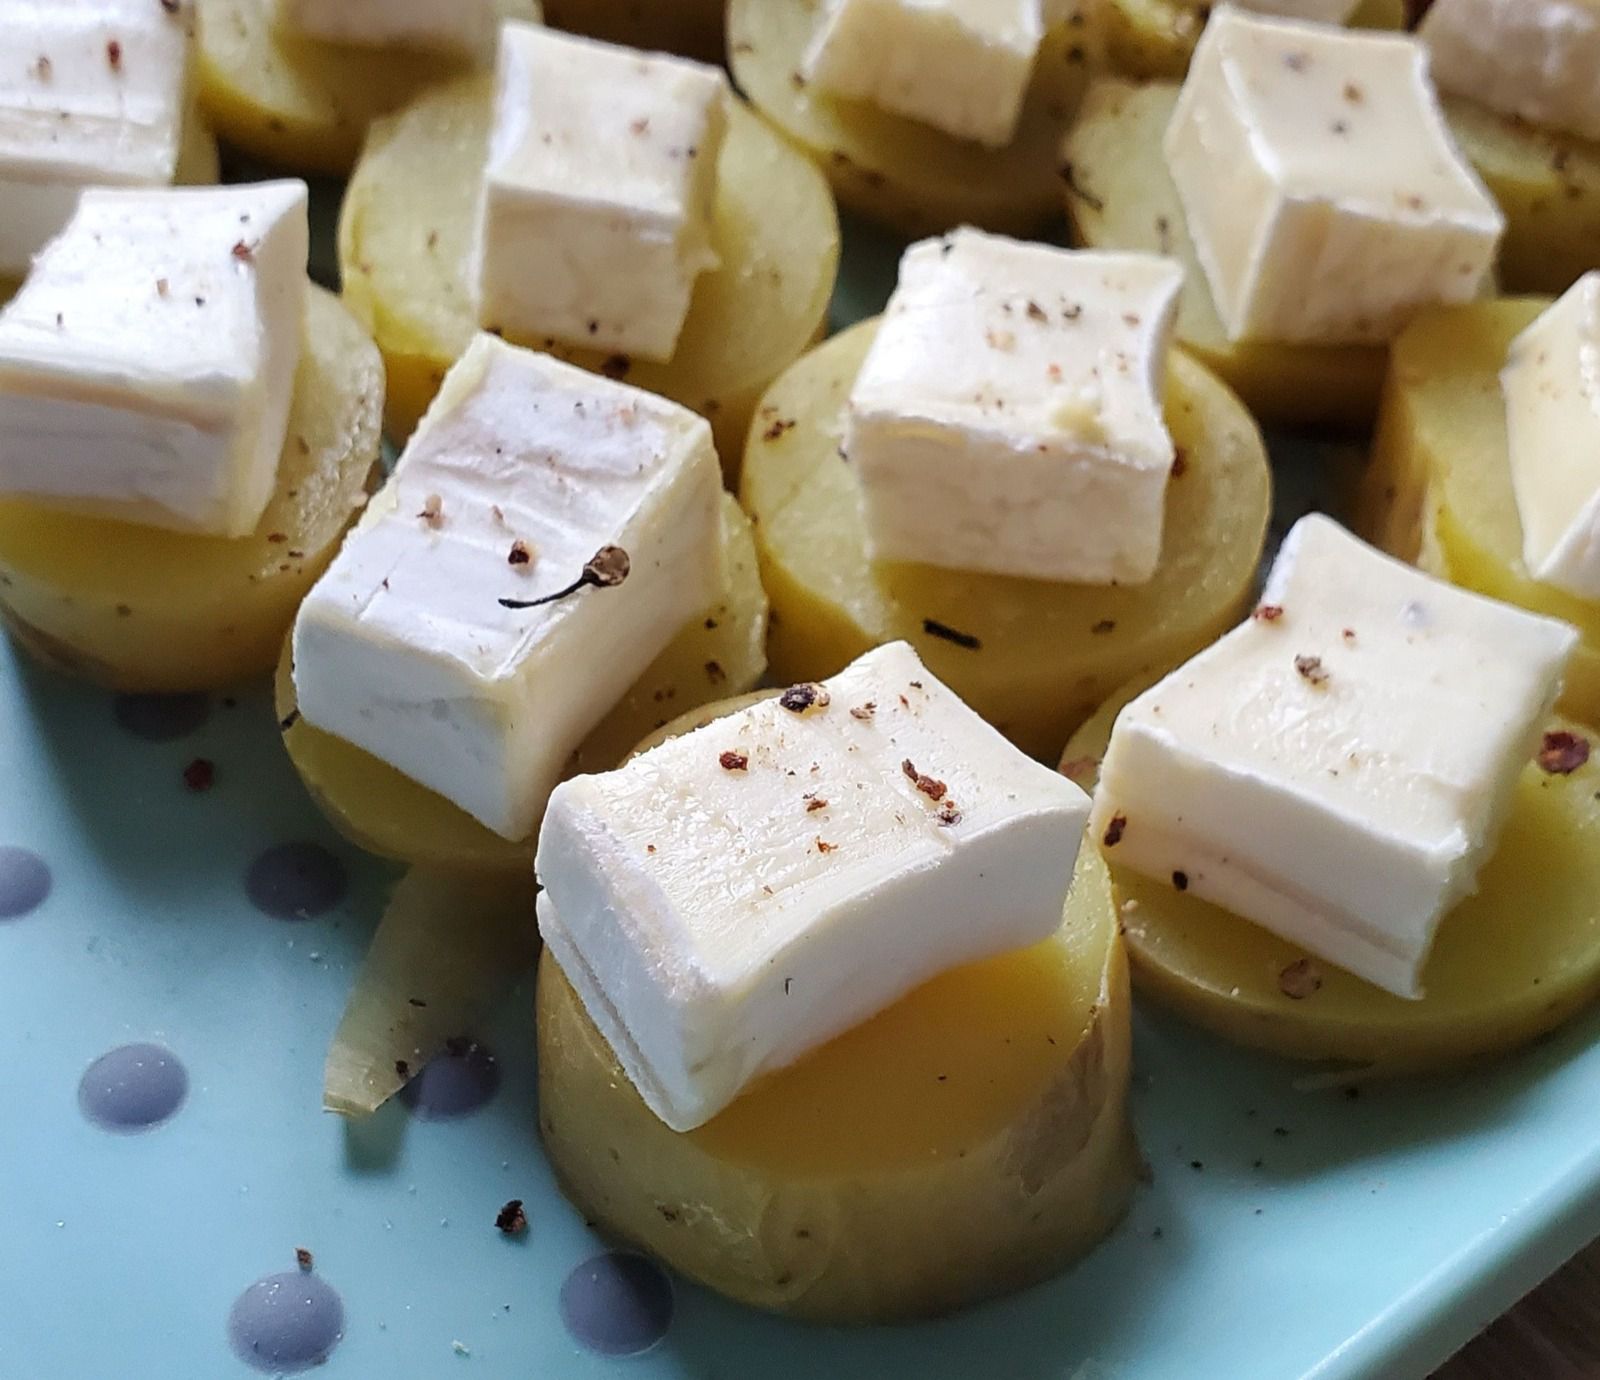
pixel 1553 1334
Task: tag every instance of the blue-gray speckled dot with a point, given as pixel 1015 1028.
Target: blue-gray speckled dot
pixel 133 1088
pixel 296 881
pixel 617 1304
pixel 162 718
pixel 24 882
pixel 459 1081
pixel 286 1322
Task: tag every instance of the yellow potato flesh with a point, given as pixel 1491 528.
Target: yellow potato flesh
pixel 1510 963
pixel 379 809
pixel 1439 488
pixel 1049 653
pixel 140 608
pixel 690 27
pixel 406 233
pixel 304 105
pixel 899 172
pixel 1120 196
pixel 993 1097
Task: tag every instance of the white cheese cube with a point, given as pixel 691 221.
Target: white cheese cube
pixel 741 895
pixel 458 28
pixel 597 199
pixel 1325 195
pixel 1008 415
pixel 524 482
pixel 1535 60
pixel 1338 769
pixel 92 92
pixel 1551 384
pixel 147 366
pixel 962 66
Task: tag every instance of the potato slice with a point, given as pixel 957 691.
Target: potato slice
pixel 1439 493
pixel 1120 196
pixel 899 172
pixel 387 813
pixel 994 1097
pixel 1510 963
pixel 304 105
pixel 690 27
pixel 1153 39
pixel 405 237
pixel 1045 654
pixel 137 608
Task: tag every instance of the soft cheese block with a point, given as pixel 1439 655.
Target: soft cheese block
pixel 1536 60
pixel 1336 770
pixel 742 894
pixel 529 482
pixel 1551 384
pixel 595 218
pixel 463 28
pixel 1325 196
pixel 147 365
pixel 1008 417
pixel 91 92
pixel 962 66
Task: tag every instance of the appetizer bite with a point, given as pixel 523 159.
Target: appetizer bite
pixel 809 994
pixel 1012 471
pixel 923 113
pixel 691 27
pixel 696 249
pixel 1353 830
pixel 1486 465
pixel 297 82
pixel 552 569
pixel 1305 176
pixel 94 92
pixel 187 427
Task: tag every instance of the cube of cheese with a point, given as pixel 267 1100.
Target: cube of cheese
pixel 544 536
pixel 597 199
pixel 1325 196
pixel 147 366
pixel 1008 415
pixel 962 66
pixel 1551 384
pixel 1338 769
pixel 458 28
pixel 741 895
pixel 92 92
pixel 1535 60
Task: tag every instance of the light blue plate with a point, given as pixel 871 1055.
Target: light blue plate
pixel 1286 1234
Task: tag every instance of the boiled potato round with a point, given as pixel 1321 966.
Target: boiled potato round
pixel 302 104
pixel 405 238
pixel 1047 654
pixel 690 27
pixel 1511 962
pixel 899 172
pixel 1439 492
pixel 1120 196
pixel 379 809
pixel 967 1141
pixel 144 609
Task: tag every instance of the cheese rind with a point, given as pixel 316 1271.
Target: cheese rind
pixel 742 894
pixel 1325 195
pixel 1008 416
pixel 147 365
pixel 92 92
pixel 596 210
pixel 962 66
pixel 1337 769
pixel 1535 60
pixel 461 28
pixel 1551 384
pixel 523 469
